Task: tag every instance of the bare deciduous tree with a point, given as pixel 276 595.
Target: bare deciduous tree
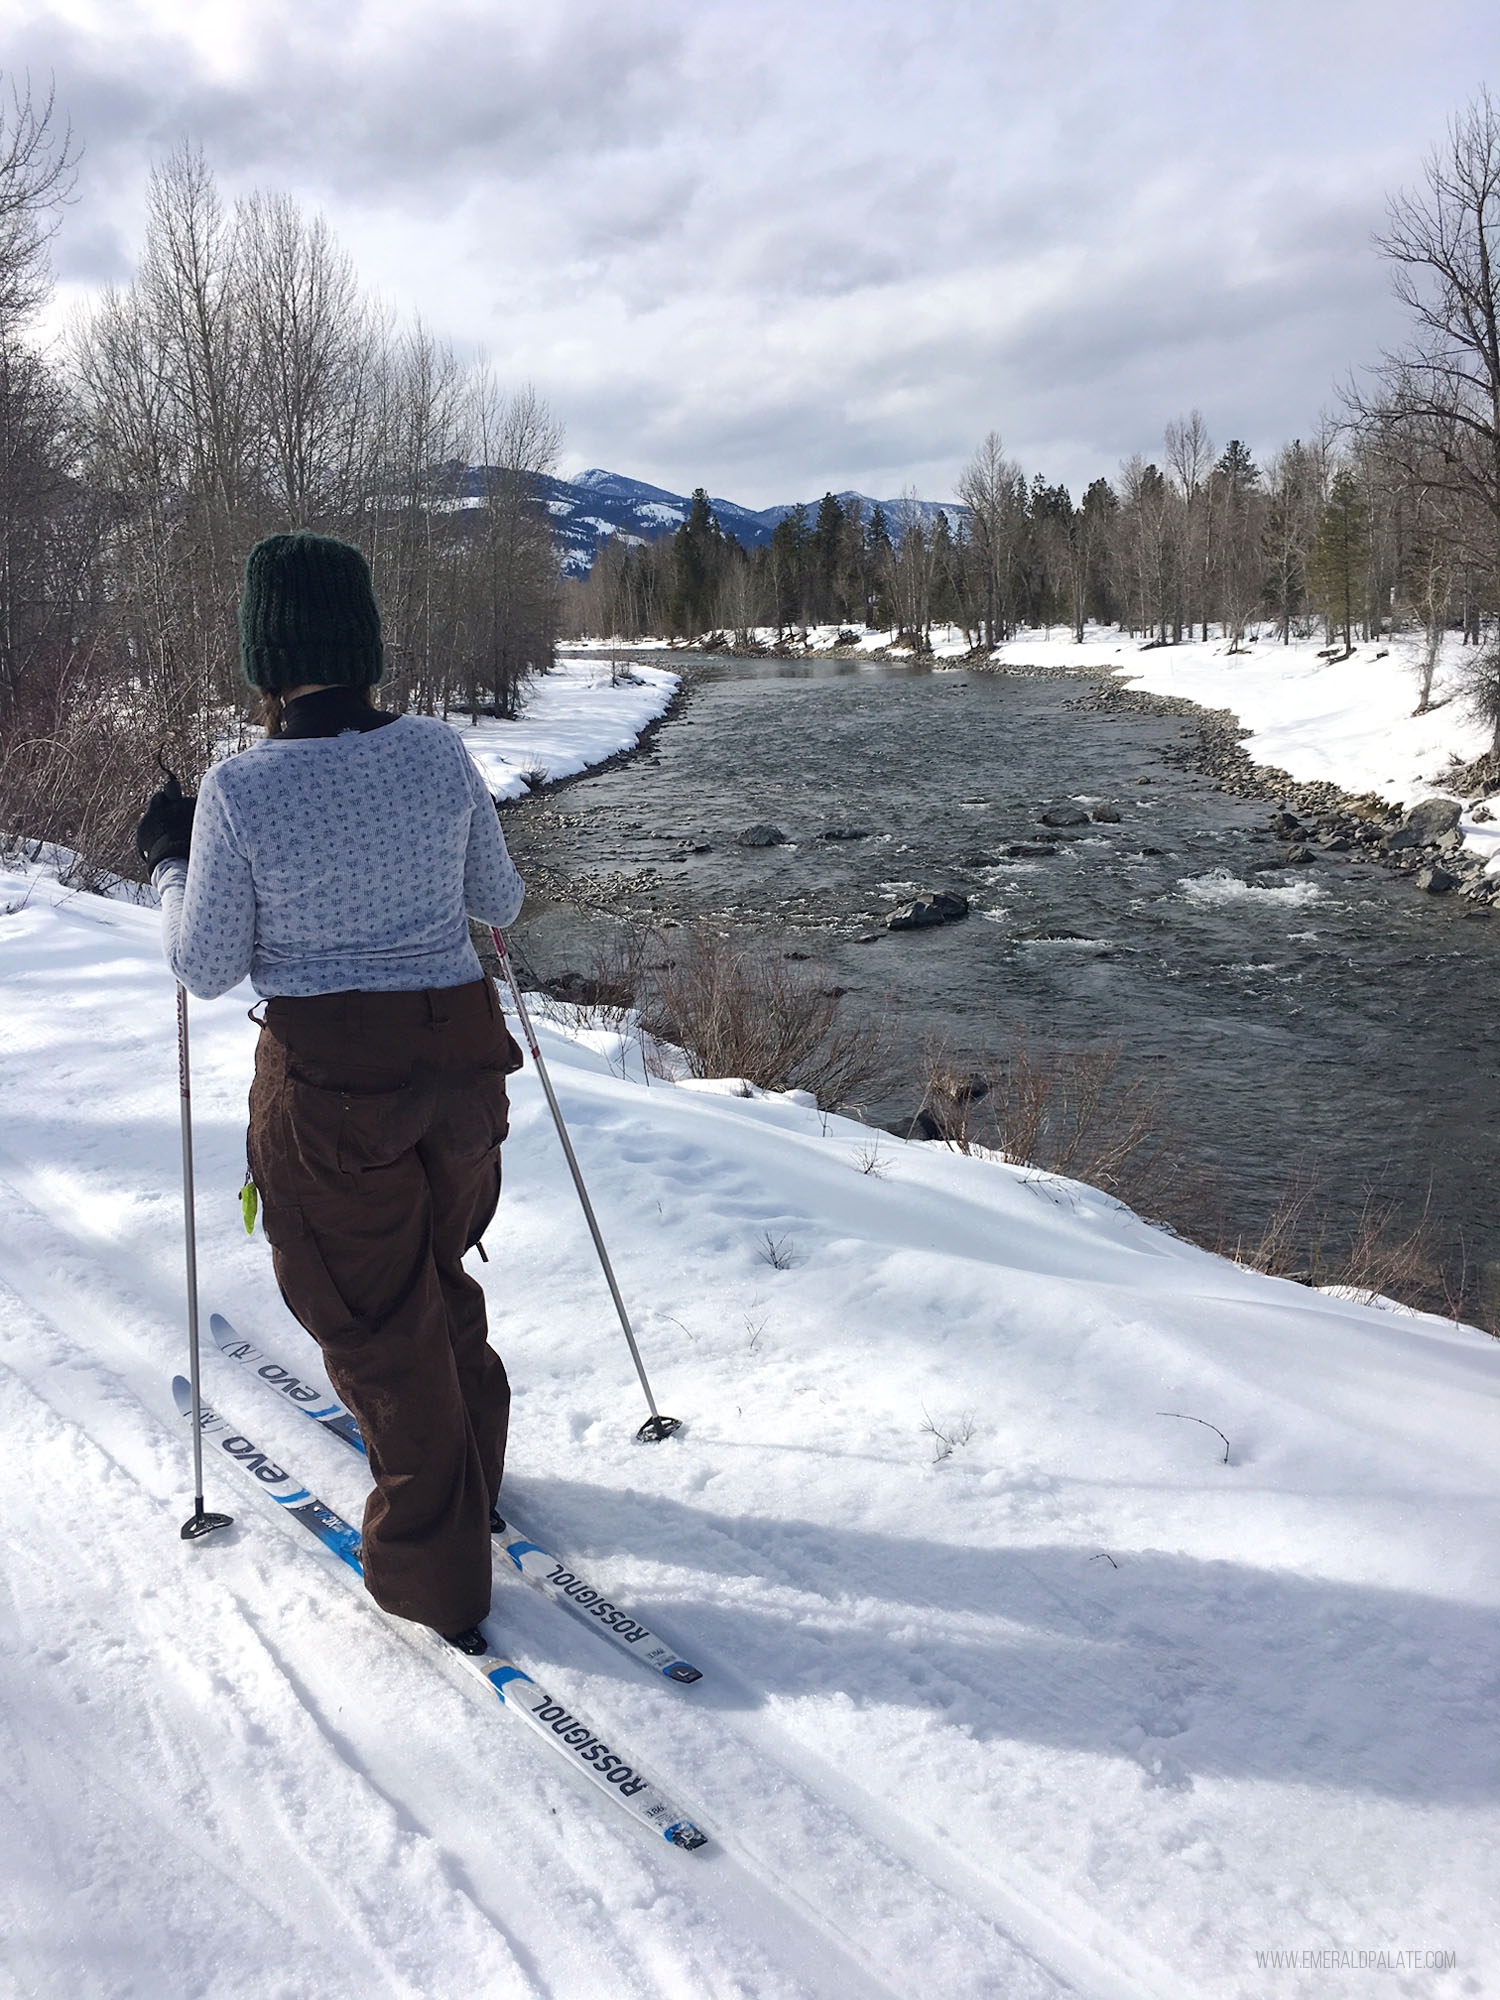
pixel 1434 408
pixel 993 489
pixel 36 178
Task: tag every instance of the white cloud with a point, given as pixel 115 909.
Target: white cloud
pixel 770 247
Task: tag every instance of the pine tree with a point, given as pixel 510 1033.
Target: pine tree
pixel 789 563
pixel 1236 506
pixel 826 552
pixel 878 559
pixel 697 551
pixel 1341 551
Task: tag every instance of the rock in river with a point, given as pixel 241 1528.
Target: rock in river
pixel 846 833
pixel 762 835
pixel 1436 881
pixel 1065 816
pixel 937 906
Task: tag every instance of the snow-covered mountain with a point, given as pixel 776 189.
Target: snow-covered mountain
pixel 598 504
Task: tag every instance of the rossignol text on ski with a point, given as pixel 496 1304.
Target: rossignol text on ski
pixel 557 1723
pixel 557 1579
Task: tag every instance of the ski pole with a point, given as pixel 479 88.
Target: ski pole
pixel 201 1523
pixel 656 1427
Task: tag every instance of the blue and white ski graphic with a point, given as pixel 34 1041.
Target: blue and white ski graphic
pixel 557 1579
pixel 558 1723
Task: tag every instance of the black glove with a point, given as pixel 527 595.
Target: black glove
pixel 166 829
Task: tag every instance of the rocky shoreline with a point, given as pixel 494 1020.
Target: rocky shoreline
pixel 1314 819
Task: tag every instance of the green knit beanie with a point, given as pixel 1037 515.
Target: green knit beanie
pixel 308 613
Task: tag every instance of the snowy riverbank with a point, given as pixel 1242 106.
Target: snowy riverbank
pixel 1344 722
pixel 576 716
pixel 1077 1706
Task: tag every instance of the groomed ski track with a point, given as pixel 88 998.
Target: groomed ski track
pixel 942 1744
pixel 332 1703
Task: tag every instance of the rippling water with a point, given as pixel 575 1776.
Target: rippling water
pixel 1326 1018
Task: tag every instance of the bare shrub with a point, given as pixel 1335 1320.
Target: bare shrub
pixel 1291 1243
pixel 736 1008
pixel 1381 1256
pixel 1388 1258
pixel 76 767
pixel 607 994
pixel 948 1434
pixel 1068 1111
pixel 780 1252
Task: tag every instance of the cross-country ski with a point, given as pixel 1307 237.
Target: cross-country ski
pixel 552 1575
pixel 557 1723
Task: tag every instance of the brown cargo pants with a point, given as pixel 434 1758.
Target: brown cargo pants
pixel 375 1128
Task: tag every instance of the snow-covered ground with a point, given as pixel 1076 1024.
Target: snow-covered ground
pixel 571 718
pixel 948 641
pixel 1347 721
pixel 1078 1707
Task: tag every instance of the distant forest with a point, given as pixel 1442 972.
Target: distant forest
pixel 1215 539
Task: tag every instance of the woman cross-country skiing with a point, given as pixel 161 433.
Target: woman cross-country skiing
pixel 336 863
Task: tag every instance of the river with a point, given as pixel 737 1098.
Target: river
pixel 1322 1021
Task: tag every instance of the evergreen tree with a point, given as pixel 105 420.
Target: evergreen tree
pixel 1237 507
pixel 1097 519
pixel 1340 555
pixel 879 557
pixel 789 565
pixel 946 605
pixel 826 553
pixel 697 553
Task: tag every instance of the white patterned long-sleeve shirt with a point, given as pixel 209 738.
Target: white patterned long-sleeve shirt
pixel 334 864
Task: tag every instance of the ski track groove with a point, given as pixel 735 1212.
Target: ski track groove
pixel 58 1297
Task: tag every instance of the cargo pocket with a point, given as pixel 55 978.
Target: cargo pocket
pixel 474 1126
pixel 349 1132
pixel 474 1116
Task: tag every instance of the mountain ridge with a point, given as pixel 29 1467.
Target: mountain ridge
pixel 599 505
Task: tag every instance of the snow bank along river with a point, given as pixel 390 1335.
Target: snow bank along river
pixel 1320 1019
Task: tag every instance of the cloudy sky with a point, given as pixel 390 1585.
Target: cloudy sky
pixel 771 247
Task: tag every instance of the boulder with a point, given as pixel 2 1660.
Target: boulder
pixel 846 833
pixel 1300 852
pixel 1436 881
pixel 1106 815
pixel 937 906
pixel 1286 825
pixel 1400 837
pixel 1065 816
pixel 762 835
pixel 1028 850
pixel 1430 819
